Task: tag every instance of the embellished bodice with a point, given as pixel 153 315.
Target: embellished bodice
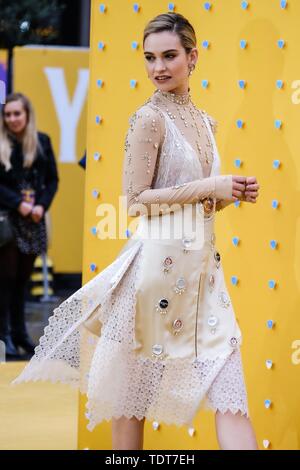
pixel 190 127
pixel 170 154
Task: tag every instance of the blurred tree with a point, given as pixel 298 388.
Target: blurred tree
pixel 28 22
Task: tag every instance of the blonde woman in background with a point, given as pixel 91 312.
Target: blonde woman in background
pixel 28 183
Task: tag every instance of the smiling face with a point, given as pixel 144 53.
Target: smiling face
pixel 165 57
pixel 15 117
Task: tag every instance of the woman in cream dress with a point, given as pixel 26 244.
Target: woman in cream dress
pixel 154 335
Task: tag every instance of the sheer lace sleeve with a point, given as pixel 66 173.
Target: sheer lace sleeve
pixel 142 146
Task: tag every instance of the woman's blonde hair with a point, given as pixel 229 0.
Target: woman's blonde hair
pixel 174 22
pixel 30 143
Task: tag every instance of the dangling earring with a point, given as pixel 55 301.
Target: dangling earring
pixel 192 68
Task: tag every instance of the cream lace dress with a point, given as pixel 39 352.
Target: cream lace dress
pixel 154 334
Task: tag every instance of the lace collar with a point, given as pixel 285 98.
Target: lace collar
pixel 178 98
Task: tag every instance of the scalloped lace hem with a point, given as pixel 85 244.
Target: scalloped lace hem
pixel 171 391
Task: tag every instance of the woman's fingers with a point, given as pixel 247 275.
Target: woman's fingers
pixel 251 179
pixel 239 178
pixel 245 195
pixel 238 186
pixel 237 193
pixel 245 188
pixel 252 187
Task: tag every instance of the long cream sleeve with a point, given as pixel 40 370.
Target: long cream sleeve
pixel 142 146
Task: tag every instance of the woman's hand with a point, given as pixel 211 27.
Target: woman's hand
pixel 238 186
pixel 37 213
pixel 251 190
pixel 25 208
pixel 245 188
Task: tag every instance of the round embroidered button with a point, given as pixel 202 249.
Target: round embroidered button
pixel 180 283
pixel 233 341
pixel 168 261
pixel 177 325
pixel 163 303
pixel 224 299
pixel 187 242
pixel 157 349
pixel 180 286
pixel 212 320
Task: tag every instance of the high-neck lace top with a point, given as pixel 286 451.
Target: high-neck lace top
pixel 189 120
pixel 155 169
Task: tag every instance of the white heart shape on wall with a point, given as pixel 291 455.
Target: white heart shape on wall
pixel 155 425
pixel 266 443
pixel 269 363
